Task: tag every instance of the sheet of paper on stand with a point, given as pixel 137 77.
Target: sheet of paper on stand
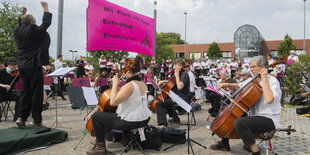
pixel 213 89
pixel 62 71
pixel 90 95
pixel 177 99
pixel 198 93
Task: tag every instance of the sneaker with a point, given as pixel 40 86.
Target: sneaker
pixel 39 125
pixel 20 123
pixel 220 146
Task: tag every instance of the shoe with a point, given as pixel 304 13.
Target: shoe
pixel 98 149
pixel 245 147
pixel 220 146
pixel 174 120
pixel 20 123
pixel 39 125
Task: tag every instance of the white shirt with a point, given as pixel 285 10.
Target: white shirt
pixel 102 63
pixel 90 67
pixel 273 110
pixel 134 108
pixel 208 63
pixel 204 65
pixel 109 64
pixel 196 65
pixel 192 81
pixel 234 65
pixel 58 64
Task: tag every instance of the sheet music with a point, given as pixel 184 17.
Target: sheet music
pixel 198 93
pixel 305 87
pixel 62 71
pixel 90 95
pixel 177 99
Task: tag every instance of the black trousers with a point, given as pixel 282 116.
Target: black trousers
pixel 111 121
pixel 246 127
pixel 32 94
pixel 205 72
pixel 150 89
pixel 197 71
pixel 162 76
pixel 232 72
pixel 162 109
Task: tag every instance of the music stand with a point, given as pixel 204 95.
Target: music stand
pixel 81 82
pixel 58 73
pixel 188 108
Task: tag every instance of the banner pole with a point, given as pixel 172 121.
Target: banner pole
pixel 155 16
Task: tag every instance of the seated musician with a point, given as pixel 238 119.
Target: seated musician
pixel 181 89
pixel 103 75
pixel 215 98
pixel 132 111
pixel 6 86
pixel 148 78
pixel 264 115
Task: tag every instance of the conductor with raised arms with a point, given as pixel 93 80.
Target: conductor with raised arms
pixel 32 42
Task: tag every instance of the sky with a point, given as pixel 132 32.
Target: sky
pixel 207 20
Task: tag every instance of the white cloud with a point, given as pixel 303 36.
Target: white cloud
pixel 208 20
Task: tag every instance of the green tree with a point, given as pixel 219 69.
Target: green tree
pixel 297 74
pixel 214 51
pixel 286 45
pixel 176 37
pixel 9 15
pixel 115 55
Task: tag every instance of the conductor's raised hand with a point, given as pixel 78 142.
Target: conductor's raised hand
pixel 23 10
pixel 44 6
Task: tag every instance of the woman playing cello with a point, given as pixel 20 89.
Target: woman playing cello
pixel 264 114
pixel 132 111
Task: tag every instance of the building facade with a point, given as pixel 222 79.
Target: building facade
pixel 248 42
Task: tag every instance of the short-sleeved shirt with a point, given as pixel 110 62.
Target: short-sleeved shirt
pixel 185 92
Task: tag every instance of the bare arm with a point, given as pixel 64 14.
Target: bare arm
pixel 268 94
pixel 118 97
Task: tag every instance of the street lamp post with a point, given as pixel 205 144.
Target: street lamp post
pixel 73 53
pixel 185 13
pixel 305 26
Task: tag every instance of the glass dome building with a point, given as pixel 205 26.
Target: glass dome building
pixel 248 42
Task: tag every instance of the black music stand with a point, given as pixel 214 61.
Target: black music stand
pixel 58 73
pixel 188 108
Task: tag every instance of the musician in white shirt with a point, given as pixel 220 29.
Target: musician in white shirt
pixel 88 67
pixel 197 67
pixel 205 67
pixel 233 66
pixel 264 114
pixel 102 63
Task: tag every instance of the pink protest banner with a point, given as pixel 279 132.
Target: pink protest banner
pixel 111 27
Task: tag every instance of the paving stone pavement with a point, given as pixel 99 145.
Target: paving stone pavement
pixel 296 143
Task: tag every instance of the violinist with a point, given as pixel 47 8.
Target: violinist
pixel 132 111
pixel 264 115
pixel 182 89
pixel 215 98
pixel 7 83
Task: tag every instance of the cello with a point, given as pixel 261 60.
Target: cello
pixel 104 102
pixel 244 98
pixel 165 90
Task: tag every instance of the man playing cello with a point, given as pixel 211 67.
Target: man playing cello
pixel 264 115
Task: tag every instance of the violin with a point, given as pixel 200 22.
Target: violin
pixel 104 102
pixel 14 73
pixel 241 101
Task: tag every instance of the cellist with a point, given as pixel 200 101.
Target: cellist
pixel 264 115
pixel 132 111
pixel 182 89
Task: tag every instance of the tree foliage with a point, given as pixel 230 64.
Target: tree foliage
pixel 297 74
pixel 9 15
pixel 176 37
pixel 214 51
pixel 115 55
pixel 286 45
